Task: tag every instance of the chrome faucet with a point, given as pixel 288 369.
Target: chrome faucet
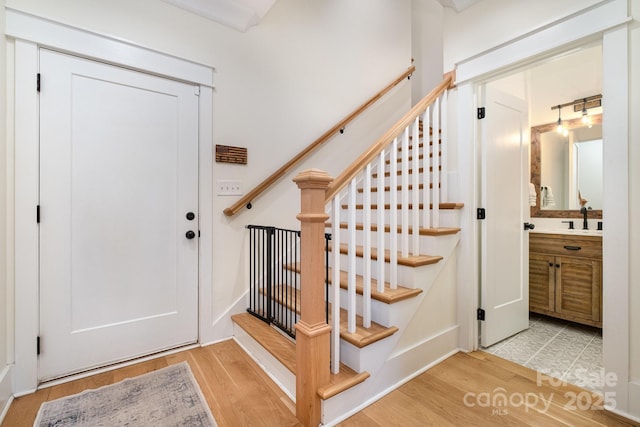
pixel 583 211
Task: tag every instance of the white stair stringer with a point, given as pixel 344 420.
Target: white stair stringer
pixel 284 378
pixel 423 340
pixel 413 278
pixel 399 314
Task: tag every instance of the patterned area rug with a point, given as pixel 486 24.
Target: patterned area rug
pixel 166 397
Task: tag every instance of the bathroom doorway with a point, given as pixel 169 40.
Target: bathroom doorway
pixel 557 346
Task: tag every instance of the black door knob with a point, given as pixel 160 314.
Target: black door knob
pixel 190 235
pixel 190 216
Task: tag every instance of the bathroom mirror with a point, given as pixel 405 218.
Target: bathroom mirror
pixel 563 165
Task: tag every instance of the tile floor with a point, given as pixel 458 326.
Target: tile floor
pixel 561 349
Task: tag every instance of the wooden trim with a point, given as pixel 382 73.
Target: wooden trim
pixel 264 185
pixel 345 177
pixel 332 389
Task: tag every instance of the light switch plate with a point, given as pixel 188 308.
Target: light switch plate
pixel 229 187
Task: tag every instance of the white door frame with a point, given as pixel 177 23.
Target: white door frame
pixel 607 22
pixel 30 33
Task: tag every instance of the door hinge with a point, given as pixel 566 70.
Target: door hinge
pixel 38 214
pixel 38 82
pixel 481 113
pixel 482 214
pixel 38 345
pixel 480 314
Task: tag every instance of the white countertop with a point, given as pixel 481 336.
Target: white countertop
pixel 574 232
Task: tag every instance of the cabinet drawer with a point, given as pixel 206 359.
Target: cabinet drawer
pixel 566 245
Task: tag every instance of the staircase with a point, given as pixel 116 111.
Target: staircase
pixel 392 271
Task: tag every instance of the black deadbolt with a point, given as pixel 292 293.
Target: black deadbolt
pixel 190 235
pixel 190 216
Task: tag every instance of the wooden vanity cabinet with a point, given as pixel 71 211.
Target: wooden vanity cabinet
pixel 565 277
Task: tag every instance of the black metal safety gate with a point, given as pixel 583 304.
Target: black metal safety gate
pixel 274 281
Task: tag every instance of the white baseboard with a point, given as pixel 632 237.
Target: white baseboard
pixel 221 329
pixel 634 401
pixel 274 369
pixel 396 371
pixel 6 396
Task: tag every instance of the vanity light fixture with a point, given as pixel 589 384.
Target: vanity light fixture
pixel 585 116
pixel 581 105
pixel 559 120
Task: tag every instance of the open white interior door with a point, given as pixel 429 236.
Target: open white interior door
pixel 504 288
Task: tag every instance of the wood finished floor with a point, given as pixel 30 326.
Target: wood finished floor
pixel 240 394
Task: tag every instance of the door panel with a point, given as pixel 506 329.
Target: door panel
pixel 504 266
pixel 118 165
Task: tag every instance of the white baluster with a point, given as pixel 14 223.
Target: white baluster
pixel 351 285
pixel 436 164
pixel 415 192
pixel 444 178
pixel 404 236
pixel 366 242
pixel 335 282
pixel 380 222
pixel 393 214
pixel 426 164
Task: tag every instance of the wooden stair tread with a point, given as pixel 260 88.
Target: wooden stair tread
pixel 398 188
pixel 399 172
pixel 279 346
pixel 387 206
pixel 342 381
pixel 389 296
pixel 362 337
pixel 410 261
pixel 284 350
pixel 286 295
pixel 441 231
pixel 420 157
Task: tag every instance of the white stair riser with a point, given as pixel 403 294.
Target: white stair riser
pixel 448 217
pixel 409 277
pixel 382 313
pixel 429 245
pixel 368 358
pixel 387 194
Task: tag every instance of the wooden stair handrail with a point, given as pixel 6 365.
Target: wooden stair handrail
pixel 350 172
pixel 260 188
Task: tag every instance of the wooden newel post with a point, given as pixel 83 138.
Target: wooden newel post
pixel 312 331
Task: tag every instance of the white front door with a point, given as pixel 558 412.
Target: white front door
pixel 504 280
pixel 118 177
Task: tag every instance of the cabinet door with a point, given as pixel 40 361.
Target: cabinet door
pixel 541 283
pixel 578 283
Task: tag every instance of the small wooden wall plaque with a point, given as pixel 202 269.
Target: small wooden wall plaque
pixel 228 154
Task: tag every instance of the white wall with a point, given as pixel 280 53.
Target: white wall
pixel 634 198
pixel 279 86
pixel 5 386
pixel 426 47
pixel 490 23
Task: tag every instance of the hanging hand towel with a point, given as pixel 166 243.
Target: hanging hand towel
pixel 548 197
pixel 532 194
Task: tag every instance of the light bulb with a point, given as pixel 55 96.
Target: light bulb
pixel 560 128
pixel 565 132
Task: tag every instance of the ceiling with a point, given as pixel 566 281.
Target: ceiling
pixel 238 14
pixel 457 5
pixel 243 14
